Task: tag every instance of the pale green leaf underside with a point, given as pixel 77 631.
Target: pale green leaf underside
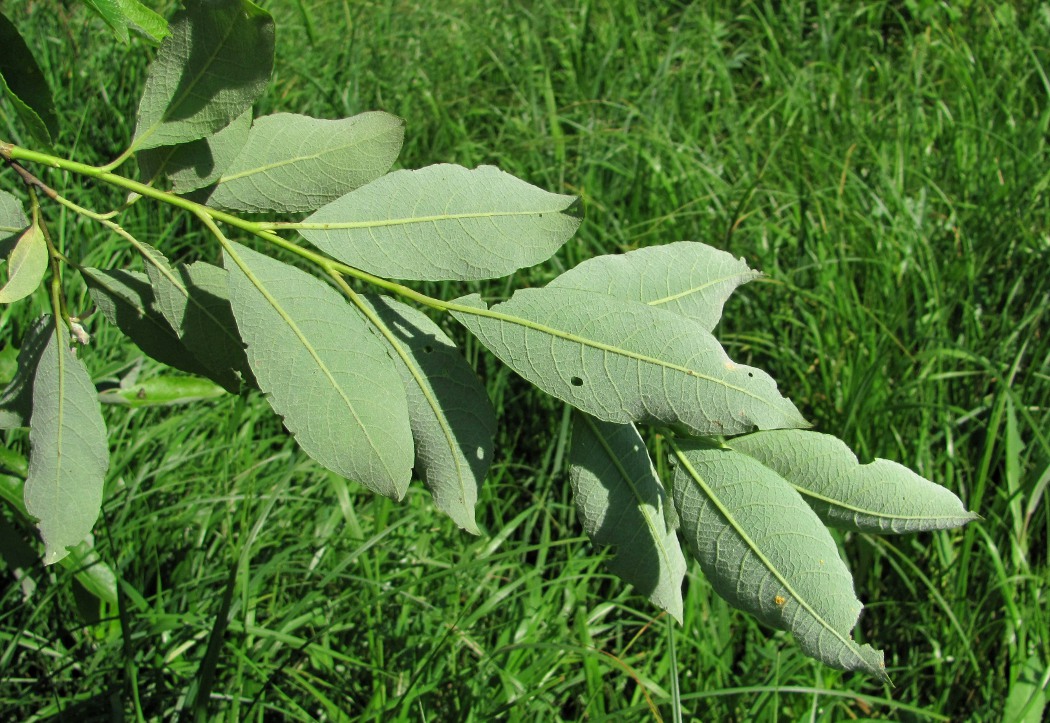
pixel 452 420
pixel 199 163
pixel 13 219
pixel 443 222
pixel 214 65
pixel 26 266
pixel 16 401
pixel 879 497
pixel 765 551
pixel 69 456
pixel 193 300
pixel 323 370
pixel 125 298
pixel 689 278
pixel 296 163
pixel 624 361
pixel 622 503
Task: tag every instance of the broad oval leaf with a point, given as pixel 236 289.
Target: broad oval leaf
pixel 686 277
pixel 22 81
pixel 125 298
pixel 193 300
pixel 443 222
pixel 13 219
pixel 68 454
pixel 880 497
pixel 624 361
pixel 452 419
pixel 765 551
pixel 323 370
pixel 16 401
pixel 214 65
pixel 26 266
pixel 296 163
pixel 199 163
pixel 622 503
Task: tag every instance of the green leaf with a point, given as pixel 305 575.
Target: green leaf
pixel 622 503
pixel 26 266
pixel 126 300
pixel 624 361
pixel 22 81
pixel 1026 699
pixel 193 299
pixel 199 163
pixel 16 401
pixel 452 420
pixel 879 497
pixel 323 370
pixel 120 15
pixel 13 219
pixel 162 391
pixel 688 278
pixel 69 457
pixel 444 222
pixel 297 163
pixel 214 65
pixel 765 551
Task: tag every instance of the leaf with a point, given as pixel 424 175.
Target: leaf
pixel 126 300
pixel 296 163
pixel 624 361
pixel 193 299
pixel 22 81
pixel 880 497
pixel 26 266
pixel 16 401
pixel 1026 699
pixel 68 458
pixel 214 65
pixel 688 278
pixel 162 391
pixel 443 222
pixel 121 15
pixel 622 503
pixel 323 370
pixel 765 551
pixel 452 420
pixel 199 163
pixel 13 219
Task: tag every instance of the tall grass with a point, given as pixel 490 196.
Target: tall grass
pixel 884 163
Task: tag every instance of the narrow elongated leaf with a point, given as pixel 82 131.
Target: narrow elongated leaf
pixel 126 300
pixel 296 163
pixel 452 420
pixel 193 299
pixel 199 163
pixel 444 222
pixel 688 278
pixel 13 219
pixel 765 551
pixel 162 391
pixel 624 361
pixel 880 497
pixel 214 65
pixel 323 370
pixel 68 458
pixel 26 266
pixel 120 15
pixel 22 81
pixel 622 503
pixel 16 401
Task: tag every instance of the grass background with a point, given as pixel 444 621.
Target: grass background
pixel 885 163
